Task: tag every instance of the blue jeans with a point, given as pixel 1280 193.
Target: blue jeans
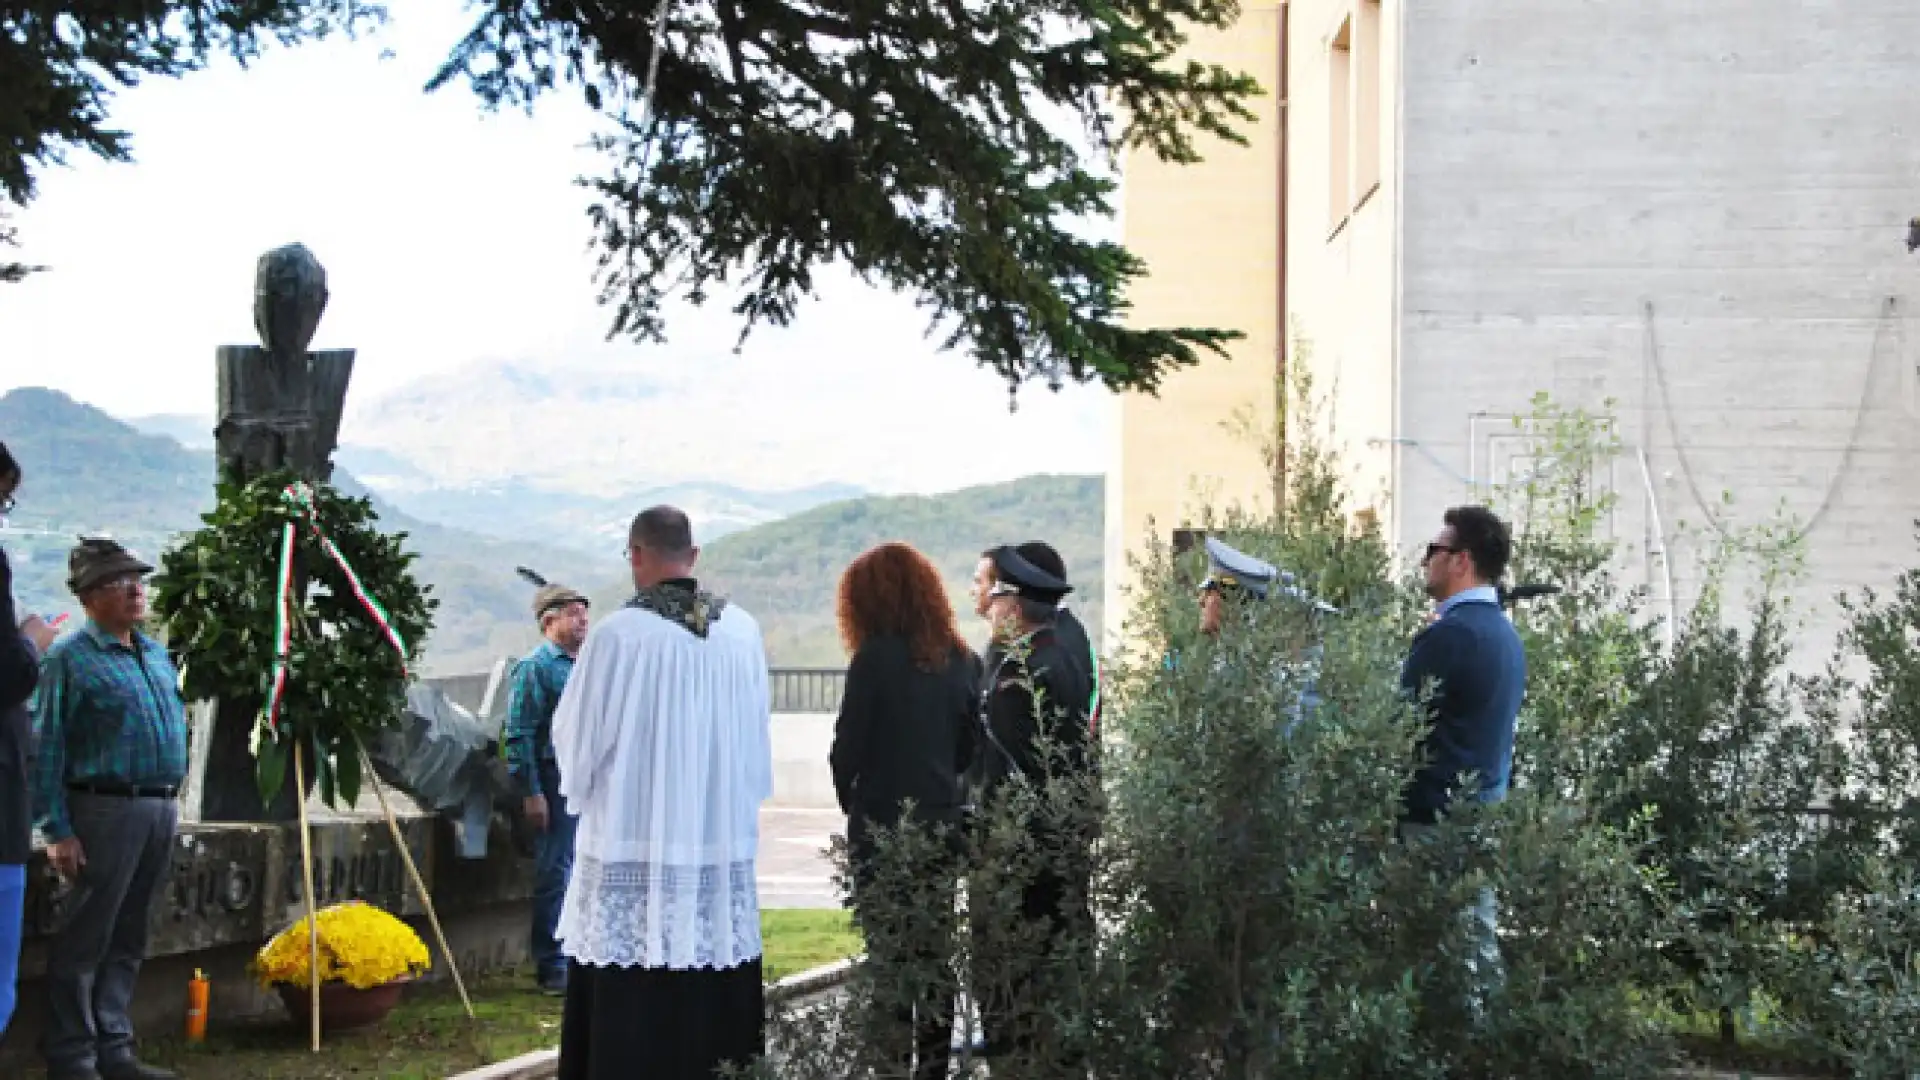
pixel 13 899
pixel 1486 974
pixel 552 866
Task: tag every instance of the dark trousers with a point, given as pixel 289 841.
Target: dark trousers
pixel 1013 998
pixel 912 963
pixel 625 1023
pixel 552 869
pixel 94 959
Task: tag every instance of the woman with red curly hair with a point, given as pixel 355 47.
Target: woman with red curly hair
pixel 905 735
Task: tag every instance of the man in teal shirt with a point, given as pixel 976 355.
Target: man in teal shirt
pixel 538 682
pixel 112 735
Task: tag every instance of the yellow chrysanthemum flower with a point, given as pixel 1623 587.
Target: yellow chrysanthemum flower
pixel 360 945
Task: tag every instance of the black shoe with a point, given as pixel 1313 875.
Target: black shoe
pixel 554 985
pixel 134 1070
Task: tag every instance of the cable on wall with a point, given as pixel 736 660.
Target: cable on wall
pixel 1888 310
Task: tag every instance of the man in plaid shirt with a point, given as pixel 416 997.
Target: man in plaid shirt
pixel 112 734
pixel 537 683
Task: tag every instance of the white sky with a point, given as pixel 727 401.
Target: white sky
pixel 451 237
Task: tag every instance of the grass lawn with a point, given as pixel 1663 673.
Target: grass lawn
pixel 429 1037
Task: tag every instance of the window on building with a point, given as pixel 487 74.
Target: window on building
pixel 1366 99
pixel 1339 124
pixel 1185 542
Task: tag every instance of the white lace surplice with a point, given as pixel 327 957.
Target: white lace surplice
pixel 664 751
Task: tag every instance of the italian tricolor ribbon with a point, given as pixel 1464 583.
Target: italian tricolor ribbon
pixel 300 497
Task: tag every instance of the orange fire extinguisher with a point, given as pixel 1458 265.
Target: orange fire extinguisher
pixel 199 990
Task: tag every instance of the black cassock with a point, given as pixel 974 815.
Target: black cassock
pixel 630 1023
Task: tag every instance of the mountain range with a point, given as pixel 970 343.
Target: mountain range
pixel 788 573
pixel 518 508
pixel 778 554
pixel 89 472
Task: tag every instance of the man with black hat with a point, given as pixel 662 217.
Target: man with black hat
pixel 538 681
pixel 1036 699
pixel 1067 626
pixel 112 732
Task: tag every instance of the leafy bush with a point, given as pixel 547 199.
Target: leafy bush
pixel 1696 836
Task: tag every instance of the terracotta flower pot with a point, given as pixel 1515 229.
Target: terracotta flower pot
pixel 342 1007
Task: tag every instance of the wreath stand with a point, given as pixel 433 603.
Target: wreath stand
pixel 413 874
pixel 301 497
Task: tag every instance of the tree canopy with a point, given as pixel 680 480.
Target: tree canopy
pixel 925 144
pixel 60 61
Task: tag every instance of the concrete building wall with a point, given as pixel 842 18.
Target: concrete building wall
pixel 1343 209
pixel 1600 198
pixel 1209 234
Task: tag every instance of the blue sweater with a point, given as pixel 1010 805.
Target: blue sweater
pixel 1473 658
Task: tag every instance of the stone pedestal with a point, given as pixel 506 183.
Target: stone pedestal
pixel 233 886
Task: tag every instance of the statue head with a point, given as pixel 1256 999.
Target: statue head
pixel 289 293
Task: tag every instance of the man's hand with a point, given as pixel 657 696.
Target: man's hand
pixel 535 807
pixel 35 629
pixel 67 858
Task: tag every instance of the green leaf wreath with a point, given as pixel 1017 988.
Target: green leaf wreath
pixel 216 595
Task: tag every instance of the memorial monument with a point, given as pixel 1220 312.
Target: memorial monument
pixel 239 872
pixel 278 406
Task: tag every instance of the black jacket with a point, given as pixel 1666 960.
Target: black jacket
pixel 902 734
pixel 1011 732
pixel 1079 647
pixel 19 670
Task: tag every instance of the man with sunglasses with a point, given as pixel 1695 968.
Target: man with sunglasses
pixel 1470 658
pixel 112 733
pixel 1468 668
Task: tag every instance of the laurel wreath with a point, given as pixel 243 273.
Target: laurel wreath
pixel 345 681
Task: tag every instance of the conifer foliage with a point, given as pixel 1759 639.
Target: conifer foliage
pixel 61 60
pixel 953 151
pixel 923 144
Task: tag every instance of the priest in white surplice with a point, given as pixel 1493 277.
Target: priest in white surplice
pixel 662 742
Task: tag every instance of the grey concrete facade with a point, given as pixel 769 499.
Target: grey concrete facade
pixel 1599 197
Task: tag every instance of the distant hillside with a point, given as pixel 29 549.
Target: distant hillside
pixel 597 524
pixel 520 510
pixel 786 573
pixel 87 471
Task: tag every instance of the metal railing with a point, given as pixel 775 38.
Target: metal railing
pixel 807 690
pixel 794 690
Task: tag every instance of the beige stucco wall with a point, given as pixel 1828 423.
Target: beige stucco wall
pixel 1341 246
pixel 1209 234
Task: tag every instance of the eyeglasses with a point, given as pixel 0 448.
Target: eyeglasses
pixel 1439 549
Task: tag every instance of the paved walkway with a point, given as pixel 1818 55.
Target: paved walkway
pixel 794 869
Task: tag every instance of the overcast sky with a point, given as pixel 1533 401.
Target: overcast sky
pixel 450 237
